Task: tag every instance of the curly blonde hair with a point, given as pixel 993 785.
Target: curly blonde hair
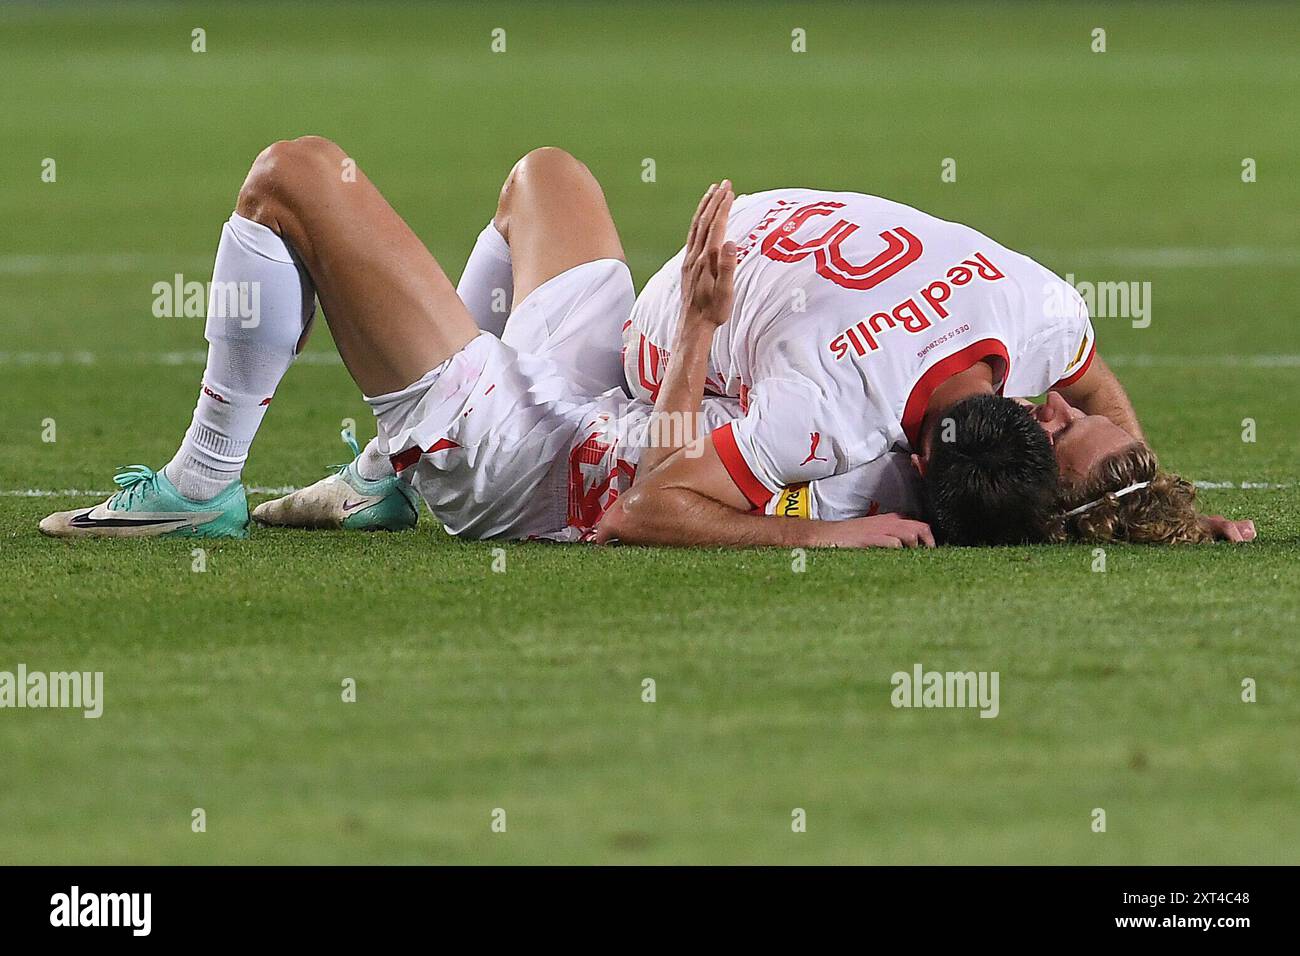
pixel 1164 512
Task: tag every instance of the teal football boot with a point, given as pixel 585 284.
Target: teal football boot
pixel 345 500
pixel 149 506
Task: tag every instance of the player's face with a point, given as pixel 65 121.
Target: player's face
pixel 1079 441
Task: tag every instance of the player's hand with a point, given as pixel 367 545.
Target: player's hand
pixel 1224 529
pixel 882 531
pixel 710 263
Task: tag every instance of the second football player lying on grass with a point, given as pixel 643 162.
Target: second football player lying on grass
pixel 520 427
pixel 863 327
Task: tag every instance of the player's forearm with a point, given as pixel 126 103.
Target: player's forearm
pixel 678 517
pixel 674 423
pixel 1100 393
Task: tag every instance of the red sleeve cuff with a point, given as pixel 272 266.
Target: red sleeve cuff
pixel 918 400
pixel 1078 373
pixel 724 442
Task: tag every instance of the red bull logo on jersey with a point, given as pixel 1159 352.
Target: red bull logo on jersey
pixel 914 313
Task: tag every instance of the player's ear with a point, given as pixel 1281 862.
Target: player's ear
pixel 919 464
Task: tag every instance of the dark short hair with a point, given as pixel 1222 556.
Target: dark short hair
pixel 995 479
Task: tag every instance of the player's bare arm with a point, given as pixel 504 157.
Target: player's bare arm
pixel 1099 392
pixel 692 502
pixel 707 296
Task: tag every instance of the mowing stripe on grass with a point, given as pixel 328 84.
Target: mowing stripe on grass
pixel 1154 257
pixel 199 357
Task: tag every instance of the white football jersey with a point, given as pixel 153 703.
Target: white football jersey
pixel 887 485
pixel 850 310
pixel 613 436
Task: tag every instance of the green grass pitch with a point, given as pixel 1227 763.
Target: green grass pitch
pixel 522 690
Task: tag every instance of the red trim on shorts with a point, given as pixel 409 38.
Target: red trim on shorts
pixel 724 442
pixel 940 372
pixel 1078 374
pixel 407 458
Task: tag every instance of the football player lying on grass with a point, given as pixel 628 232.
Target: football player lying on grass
pixel 1101 465
pixel 529 435
pixel 862 326
pixel 507 429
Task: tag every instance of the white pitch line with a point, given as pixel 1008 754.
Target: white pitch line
pixel 117 263
pixel 74 493
pixel 1203 361
pixel 83 358
pixel 1243 485
pixel 1175 257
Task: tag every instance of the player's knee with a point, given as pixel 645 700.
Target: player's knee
pixel 289 172
pixel 547 169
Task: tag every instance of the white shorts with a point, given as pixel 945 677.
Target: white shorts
pixel 486 437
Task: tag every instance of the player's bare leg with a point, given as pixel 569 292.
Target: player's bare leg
pixel 392 311
pixel 551 216
pixel 307 223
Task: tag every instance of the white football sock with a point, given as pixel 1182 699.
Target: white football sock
pixel 260 304
pixel 487 285
pixel 373 463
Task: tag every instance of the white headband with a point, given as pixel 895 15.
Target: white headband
pixel 1136 486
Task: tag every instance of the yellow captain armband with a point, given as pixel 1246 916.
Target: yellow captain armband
pixel 794 501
